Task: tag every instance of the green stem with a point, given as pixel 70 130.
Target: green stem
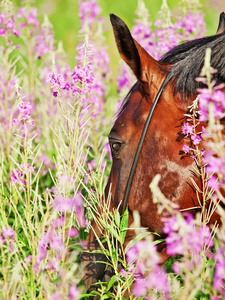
pixel 7 105
pixel 30 66
pixel 201 170
pixel 29 208
pixel 76 127
pixel 4 272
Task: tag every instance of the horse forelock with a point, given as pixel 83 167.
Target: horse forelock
pixel 188 60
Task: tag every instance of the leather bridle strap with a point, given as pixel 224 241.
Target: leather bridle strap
pixel 133 168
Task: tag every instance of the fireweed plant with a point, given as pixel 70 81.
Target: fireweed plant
pixel 55 160
pixel 47 149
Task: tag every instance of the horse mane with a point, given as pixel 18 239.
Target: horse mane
pixel 188 61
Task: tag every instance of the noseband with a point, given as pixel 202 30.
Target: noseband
pixel 134 165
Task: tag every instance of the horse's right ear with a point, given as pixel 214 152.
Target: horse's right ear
pixel 221 26
pixel 126 45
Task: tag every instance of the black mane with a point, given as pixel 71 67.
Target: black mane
pixel 188 60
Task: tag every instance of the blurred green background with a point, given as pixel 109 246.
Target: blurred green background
pixel 63 14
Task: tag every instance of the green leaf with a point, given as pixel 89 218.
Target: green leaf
pixel 105 297
pixel 155 233
pixel 104 262
pixel 105 251
pixel 117 218
pixel 114 256
pixel 158 241
pixel 112 281
pixel 105 224
pixel 56 280
pixel 111 229
pixel 124 225
pixel 137 238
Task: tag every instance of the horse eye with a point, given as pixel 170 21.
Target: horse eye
pixel 115 146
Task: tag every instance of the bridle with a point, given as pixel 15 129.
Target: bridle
pixel 134 165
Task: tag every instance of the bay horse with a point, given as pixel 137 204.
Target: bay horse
pixel 161 149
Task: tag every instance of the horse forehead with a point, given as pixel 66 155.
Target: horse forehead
pixel 136 110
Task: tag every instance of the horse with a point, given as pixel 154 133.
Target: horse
pixel 161 148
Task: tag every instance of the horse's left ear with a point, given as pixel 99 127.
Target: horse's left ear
pixel 131 51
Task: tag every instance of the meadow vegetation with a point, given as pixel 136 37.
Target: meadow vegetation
pixel 55 161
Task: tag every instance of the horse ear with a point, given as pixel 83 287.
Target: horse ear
pixel 130 50
pixel 126 45
pixel 221 26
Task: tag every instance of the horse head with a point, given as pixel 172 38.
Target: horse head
pixel 161 152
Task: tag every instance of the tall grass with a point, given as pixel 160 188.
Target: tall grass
pixel 55 161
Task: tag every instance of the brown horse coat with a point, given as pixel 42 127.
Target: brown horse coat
pixel 162 149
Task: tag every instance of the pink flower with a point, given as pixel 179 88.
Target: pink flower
pixel 176 267
pixel 8 232
pixel 74 293
pixel 17 177
pixel 83 75
pixel 32 17
pixel 10 24
pixel 88 12
pixel 132 254
pixel 213 183
pixel 28 259
pixel 196 139
pixel 219 276
pixel 56 296
pixel 15 121
pixel 123 273
pixel 56 243
pixel 186 149
pixel 184 237
pixel 3 18
pixel 2 32
pixel 218 100
pixel 219 97
pixel 45 42
pixel 123 79
pixel 21 12
pixel 29 168
pixel 187 129
pixel 154 280
pixel 25 109
pixel 59 222
pixel 2 241
pixel 80 217
pixel 42 253
pixel 52 265
pixel 62 204
pixel 72 232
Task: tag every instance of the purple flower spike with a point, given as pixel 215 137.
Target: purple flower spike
pixel 184 237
